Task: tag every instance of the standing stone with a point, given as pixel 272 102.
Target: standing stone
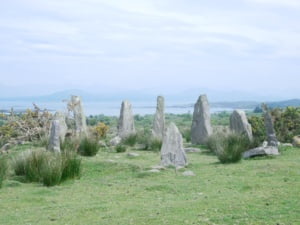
pixel 239 123
pixel 75 105
pixel 159 119
pixel 172 152
pixel 61 117
pixel 126 121
pixel 271 136
pixel 54 139
pixel 201 126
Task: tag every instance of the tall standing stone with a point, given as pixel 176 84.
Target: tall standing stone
pixel 239 123
pixel 172 152
pixel 126 121
pixel 201 126
pixel 54 139
pixel 271 135
pixel 159 119
pixel 75 105
pixel 61 117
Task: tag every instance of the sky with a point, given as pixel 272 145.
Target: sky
pixel 155 46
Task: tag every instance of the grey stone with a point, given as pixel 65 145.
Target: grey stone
pixel 201 126
pixel 140 146
pixel 102 144
pixel 154 171
pixel 61 117
pixel 261 151
pixel 172 152
pixel 75 105
pixel 132 154
pixel 264 144
pixel 54 139
pixel 188 173
pixel 159 119
pixel 126 121
pixel 190 150
pixel 115 141
pixel 287 145
pixel 271 136
pixel 158 167
pixel 296 141
pixel 239 124
pixel 5 147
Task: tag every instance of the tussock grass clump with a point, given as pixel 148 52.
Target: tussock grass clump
pixel 33 165
pixel 228 148
pixel 70 145
pixel 232 148
pixel 47 167
pixel 88 147
pixel 51 170
pixel 120 148
pixel 3 169
pixel 71 165
pixel 131 140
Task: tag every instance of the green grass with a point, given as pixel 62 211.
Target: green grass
pixel 115 189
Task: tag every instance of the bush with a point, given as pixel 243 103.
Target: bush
pixel 186 133
pixel 3 169
pixel 120 148
pixel 231 148
pixel 88 147
pixel 100 130
pixel 155 144
pixel 131 140
pixel 46 167
pixel 258 128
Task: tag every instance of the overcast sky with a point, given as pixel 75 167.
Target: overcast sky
pixel 153 45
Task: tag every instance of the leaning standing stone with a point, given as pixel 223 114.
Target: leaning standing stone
pixel 201 126
pixel 239 123
pixel 271 136
pixel 54 139
pixel 61 117
pixel 75 105
pixel 172 152
pixel 126 121
pixel 159 119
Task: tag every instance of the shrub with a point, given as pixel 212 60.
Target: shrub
pixel 186 133
pixel 286 123
pixel 3 169
pixel 120 148
pixel 258 128
pixel 88 147
pixel 100 130
pixel 155 144
pixel 229 148
pixel 130 140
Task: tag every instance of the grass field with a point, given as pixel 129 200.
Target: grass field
pixel 116 189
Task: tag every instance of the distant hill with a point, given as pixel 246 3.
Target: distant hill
pixel 147 97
